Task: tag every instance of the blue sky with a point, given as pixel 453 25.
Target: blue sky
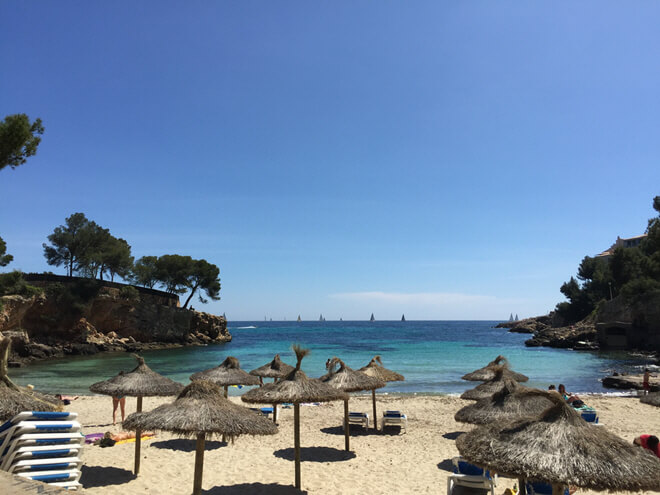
pixel 446 160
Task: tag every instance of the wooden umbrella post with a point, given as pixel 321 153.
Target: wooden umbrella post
pixel 199 464
pixel 274 413
pixel 347 434
pixel 522 486
pixel 224 437
pixel 138 441
pixel 296 440
pixel 373 397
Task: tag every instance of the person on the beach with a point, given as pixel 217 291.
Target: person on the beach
pixel 649 442
pixel 119 400
pixel 572 399
pixel 551 388
pixel 646 381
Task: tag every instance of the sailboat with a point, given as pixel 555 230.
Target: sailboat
pixel 321 317
pixel 511 317
pixel 372 317
pixel 299 318
pixel 403 317
pixel 516 316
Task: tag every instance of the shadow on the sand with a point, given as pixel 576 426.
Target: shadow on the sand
pixel 446 465
pixel 315 454
pixel 254 489
pixel 354 431
pixel 452 435
pixel 185 445
pixel 97 476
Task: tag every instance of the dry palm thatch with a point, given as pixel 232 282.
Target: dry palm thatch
pixel 14 399
pixel 651 399
pixel 376 369
pixel 275 369
pixel 142 381
pixel 512 402
pixel 487 372
pixel 295 388
pixel 228 373
pixel 348 380
pixel 201 410
pixel 499 381
pixel 560 448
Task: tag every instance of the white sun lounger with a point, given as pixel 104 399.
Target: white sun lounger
pixel 55 476
pixel 23 427
pixel 470 476
pixel 359 418
pixel 39 452
pixel 59 464
pixel 395 418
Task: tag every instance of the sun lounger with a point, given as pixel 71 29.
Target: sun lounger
pixel 62 463
pixel 359 418
pixel 470 476
pixel 395 418
pixel 43 439
pixel 39 452
pixel 55 476
pixel 24 427
pixel 266 411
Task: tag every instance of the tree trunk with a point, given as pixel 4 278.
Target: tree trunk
pixel 192 293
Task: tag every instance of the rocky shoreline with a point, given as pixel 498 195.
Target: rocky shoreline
pixel 40 329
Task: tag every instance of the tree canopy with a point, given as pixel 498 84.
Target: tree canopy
pixel 19 139
pixel 633 273
pixel 5 258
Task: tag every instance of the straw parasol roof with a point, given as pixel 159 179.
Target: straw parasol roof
pixel 487 372
pixel 500 380
pixel 275 369
pixel 349 380
pixel 376 369
pixel 511 402
pixel 560 448
pixel 295 388
pixel 651 399
pixel 229 372
pixel 14 399
pixel 201 410
pixel 142 381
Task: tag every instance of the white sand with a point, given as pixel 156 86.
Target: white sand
pixel 415 462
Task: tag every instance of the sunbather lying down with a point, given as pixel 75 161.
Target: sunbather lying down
pixel 126 435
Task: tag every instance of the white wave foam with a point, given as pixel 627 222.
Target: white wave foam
pixel 243 328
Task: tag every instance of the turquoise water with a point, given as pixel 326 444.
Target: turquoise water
pixel 432 355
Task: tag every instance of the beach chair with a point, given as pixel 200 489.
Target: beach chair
pixel 539 488
pixel 358 418
pixel 60 464
pixel 39 452
pixel 395 418
pixel 63 478
pixel 266 411
pixel 44 439
pixel 470 476
pixel 20 428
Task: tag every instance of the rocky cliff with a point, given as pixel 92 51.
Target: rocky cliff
pixel 45 326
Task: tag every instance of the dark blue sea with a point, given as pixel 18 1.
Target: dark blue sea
pixel 432 355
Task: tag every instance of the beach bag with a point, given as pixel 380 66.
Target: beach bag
pixel 577 403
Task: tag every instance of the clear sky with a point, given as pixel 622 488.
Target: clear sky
pixel 442 159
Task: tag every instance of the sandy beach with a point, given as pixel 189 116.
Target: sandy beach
pixel 418 461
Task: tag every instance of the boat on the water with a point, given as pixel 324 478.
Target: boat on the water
pixel 403 317
pixel 372 317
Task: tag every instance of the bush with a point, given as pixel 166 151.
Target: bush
pixel 74 297
pixel 130 293
pixel 13 284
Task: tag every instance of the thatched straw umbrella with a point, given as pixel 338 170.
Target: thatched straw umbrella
pixel 294 388
pixel 487 372
pixel 349 380
pixel 15 399
pixel 560 448
pixel 141 382
pixel 511 402
pixel 376 369
pixel 228 373
pixel 276 369
pixel 500 380
pixel 651 399
pixel 201 410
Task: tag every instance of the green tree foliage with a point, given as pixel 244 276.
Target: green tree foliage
pixel 205 277
pixel 5 258
pixel 69 243
pixel 633 273
pixel 19 139
pixel 172 271
pixel 145 272
pixel 13 284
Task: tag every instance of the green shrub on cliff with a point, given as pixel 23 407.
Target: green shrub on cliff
pixel 130 293
pixel 13 284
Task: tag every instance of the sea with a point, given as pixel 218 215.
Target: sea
pixel 432 355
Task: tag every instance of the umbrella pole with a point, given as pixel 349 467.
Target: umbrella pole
pixel 138 441
pixel 522 490
pixel 373 398
pixel 296 440
pixel 347 433
pixel 275 413
pixel 224 437
pixel 199 464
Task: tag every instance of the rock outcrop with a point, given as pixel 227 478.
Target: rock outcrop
pixel 41 327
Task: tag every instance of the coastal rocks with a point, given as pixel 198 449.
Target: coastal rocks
pixel 581 336
pixel 41 327
pixel 629 382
